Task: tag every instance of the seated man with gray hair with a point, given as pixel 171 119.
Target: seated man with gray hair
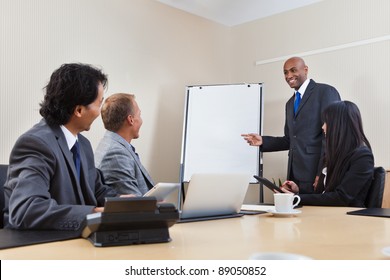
pixel 115 156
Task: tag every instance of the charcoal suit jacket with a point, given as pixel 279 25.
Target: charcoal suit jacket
pixel 43 190
pixel 303 136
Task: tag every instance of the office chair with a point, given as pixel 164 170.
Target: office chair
pixel 3 178
pixel 375 193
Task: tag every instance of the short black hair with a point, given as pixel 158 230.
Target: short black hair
pixel 70 85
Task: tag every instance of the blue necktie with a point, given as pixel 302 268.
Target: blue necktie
pixel 297 101
pixel 76 157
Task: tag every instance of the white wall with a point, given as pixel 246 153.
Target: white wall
pixel 361 73
pixel 145 47
pixel 155 51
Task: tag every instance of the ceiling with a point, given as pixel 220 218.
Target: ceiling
pixel 234 12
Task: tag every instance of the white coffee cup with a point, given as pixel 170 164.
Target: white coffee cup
pixel 284 202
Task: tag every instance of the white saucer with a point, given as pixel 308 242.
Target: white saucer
pixel 278 256
pixel 293 212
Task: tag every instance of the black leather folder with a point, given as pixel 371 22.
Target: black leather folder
pixel 10 238
pixel 375 212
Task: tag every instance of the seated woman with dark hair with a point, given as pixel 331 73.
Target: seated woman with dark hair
pixel 349 162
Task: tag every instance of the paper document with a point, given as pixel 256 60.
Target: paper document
pixel 256 207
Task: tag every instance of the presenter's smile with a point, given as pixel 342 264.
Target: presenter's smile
pixel 292 82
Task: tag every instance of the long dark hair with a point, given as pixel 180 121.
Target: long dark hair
pixel 70 85
pixel 344 134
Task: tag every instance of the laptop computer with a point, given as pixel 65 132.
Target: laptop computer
pixel 214 196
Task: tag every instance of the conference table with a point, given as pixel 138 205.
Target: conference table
pixel 323 233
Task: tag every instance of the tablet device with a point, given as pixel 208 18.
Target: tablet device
pixel 162 190
pixel 268 184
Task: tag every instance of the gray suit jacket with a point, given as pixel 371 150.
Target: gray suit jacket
pixel 120 166
pixel 303 135
pixel 42 191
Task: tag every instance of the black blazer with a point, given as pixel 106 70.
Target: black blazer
pixel 355 181
pixel 303 135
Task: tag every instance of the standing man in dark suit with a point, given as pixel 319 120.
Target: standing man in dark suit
pixel 303 135
pixel 53 182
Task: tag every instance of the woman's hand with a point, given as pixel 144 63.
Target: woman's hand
pixel 290 187
pixel 315 184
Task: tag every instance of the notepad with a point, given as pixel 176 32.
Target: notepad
pixel 257 207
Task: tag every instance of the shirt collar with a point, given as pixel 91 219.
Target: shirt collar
pixel 303 87
pixel 70 138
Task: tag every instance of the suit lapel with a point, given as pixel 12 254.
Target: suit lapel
pixel 141 167
pixel 70 163
pixel 127 145
pixel 306 96
pixel 88 195
pixel 290 107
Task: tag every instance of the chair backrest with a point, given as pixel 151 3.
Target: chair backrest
pixel 3 178
pixel 375 193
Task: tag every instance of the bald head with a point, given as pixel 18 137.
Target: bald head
pixel 295 60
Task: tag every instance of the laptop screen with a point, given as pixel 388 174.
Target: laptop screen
pixel 215 194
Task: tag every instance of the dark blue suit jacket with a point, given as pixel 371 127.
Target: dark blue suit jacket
pixel 303 135
pixel 42 191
